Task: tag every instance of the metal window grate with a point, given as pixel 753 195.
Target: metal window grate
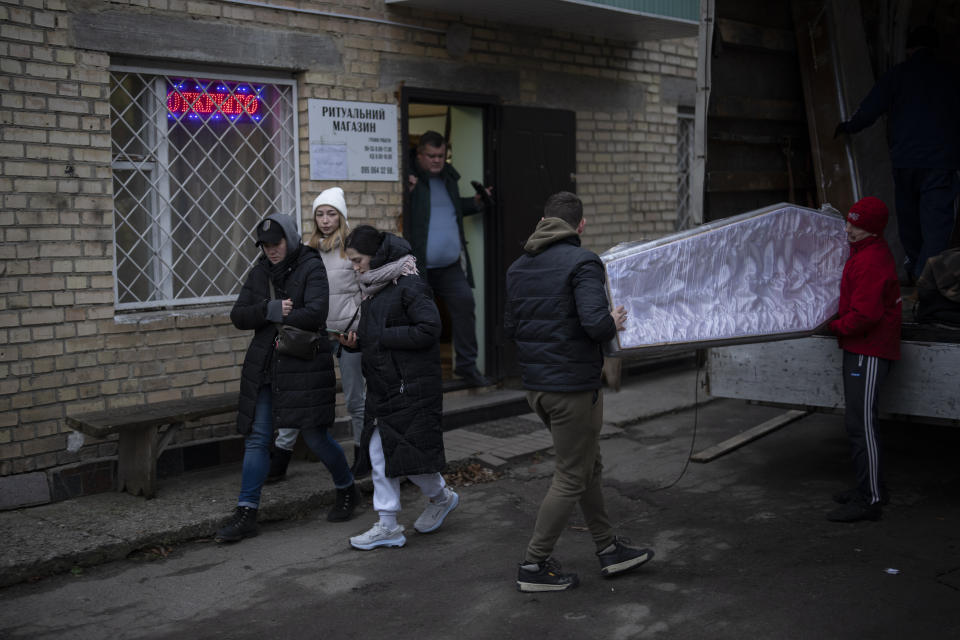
pixel 197 162
pixel 685 122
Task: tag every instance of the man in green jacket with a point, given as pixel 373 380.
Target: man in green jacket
pixel 436 235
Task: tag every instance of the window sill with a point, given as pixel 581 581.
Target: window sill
pixel 218 313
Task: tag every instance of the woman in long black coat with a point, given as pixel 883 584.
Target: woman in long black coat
pixel 287 285
pixel 398 333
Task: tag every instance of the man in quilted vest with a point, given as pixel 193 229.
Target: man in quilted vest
pixel 558 315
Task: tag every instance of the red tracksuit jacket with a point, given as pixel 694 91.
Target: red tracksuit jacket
pixel 870 303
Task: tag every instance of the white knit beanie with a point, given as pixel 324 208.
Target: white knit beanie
pixel 332 197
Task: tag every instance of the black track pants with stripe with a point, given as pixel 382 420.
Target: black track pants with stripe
pixel 862 377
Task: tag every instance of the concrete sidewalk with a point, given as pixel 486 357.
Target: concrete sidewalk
pixel 91 530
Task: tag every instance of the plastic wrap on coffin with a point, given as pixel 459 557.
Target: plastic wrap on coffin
pixel 769 274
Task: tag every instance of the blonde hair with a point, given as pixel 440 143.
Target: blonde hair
pixel 337 238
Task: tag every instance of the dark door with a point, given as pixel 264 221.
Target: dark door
pixel 535 158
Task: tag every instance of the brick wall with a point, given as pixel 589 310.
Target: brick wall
pixel 63 349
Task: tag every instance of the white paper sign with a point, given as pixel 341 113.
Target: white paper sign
pixel 328 161
pixel 352 140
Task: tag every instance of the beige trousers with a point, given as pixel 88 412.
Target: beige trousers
pixel 574 420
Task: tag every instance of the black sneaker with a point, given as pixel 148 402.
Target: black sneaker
pixel 243 524
pixel 845 496
pixel 855 511
pixel 279 461
pixel 545 577
pixel 622 557
pixel 347 501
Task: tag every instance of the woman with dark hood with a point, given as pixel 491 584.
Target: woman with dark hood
pixel 397 335
pixel 286 286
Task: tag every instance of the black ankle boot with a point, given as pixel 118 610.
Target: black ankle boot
pixel 279 461
pixel 347 500
pixel 243 524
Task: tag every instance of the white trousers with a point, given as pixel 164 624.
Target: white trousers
pixel 386 491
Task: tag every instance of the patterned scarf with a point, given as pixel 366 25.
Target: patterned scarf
pixel 371 282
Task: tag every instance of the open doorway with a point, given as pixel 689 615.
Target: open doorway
pixel 526 154
pixel 463 128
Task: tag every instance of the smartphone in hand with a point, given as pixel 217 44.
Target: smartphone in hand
pixel 482 194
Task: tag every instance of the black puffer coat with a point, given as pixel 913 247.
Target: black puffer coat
pixel 398 333
pixel 557 310
pixel 304 391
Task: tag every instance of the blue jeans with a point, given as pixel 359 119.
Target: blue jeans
pixel 256 454
pixel 354 389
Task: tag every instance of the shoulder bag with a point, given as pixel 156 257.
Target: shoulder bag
pixel 296 342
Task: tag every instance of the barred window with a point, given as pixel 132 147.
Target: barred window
pixel 197 161
pixel 685 123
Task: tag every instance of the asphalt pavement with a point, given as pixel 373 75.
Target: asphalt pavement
pixel 742 546
pixel 87 531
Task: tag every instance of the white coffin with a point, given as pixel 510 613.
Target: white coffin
pixel 769 274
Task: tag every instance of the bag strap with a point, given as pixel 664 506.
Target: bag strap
pixel 280 325
pixel 352 320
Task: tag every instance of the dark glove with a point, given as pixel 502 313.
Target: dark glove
pixel 842 128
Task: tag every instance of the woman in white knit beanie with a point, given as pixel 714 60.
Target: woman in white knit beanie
pixel 330 218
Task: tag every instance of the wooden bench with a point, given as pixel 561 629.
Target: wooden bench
pixel 143 436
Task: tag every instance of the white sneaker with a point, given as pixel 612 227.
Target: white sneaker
pixel 379 536
pixel 433 516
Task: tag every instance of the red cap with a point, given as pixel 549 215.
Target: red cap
pixel 869 214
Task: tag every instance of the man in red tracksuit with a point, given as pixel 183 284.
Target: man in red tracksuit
pixel 868 329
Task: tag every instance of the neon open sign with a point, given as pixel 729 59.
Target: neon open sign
pixel 214 102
